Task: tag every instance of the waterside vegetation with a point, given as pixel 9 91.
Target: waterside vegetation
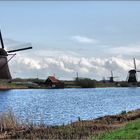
pixel 19 83
pixel 129 131
pixel 12 128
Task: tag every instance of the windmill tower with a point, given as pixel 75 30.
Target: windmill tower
pixel 4 68
pixel 111 78
pixel 132 74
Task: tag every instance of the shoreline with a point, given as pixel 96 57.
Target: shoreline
pixel 25 87
pixel 82 129
pixel 40 84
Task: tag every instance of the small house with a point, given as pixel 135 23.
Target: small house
pixel 52 82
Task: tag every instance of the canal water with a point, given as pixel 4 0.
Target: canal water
pixel 63 106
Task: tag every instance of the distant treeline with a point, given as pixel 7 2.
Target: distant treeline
pixel 85 82
pixel 76 83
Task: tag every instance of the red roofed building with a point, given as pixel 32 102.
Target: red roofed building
pixel 52 82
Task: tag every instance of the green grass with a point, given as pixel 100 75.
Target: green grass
pixel 130 131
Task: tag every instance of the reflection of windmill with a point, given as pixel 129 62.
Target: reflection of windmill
pixel 111 78
pixel 132 74
pixel 4 69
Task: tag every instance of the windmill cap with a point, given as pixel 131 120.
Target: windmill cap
pixel 3 52
pixel 132 71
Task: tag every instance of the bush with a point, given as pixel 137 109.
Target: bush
pixel 123 112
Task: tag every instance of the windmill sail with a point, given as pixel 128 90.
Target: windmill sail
pixel 1 40
pixel 19 49
pixel 134 64
pixel 111 73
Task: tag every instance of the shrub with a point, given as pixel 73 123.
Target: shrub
pixel 123 112
pixel 85 83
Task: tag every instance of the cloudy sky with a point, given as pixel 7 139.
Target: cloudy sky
pixel 91 38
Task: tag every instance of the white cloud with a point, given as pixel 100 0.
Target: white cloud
pixel 65 64
pixel 83 39
pixel 65 67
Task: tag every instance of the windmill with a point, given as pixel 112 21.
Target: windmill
pixel 132 74
pixel 111 78
pixel 4 68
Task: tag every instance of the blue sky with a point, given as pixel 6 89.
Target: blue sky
pixel 79 29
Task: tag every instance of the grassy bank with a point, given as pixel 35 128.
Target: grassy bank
pixel 11 128
pixel 129 131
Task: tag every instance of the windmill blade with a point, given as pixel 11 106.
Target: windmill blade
pixel 22 49
pixel 111 73
pixel 134 64
pixel 2 44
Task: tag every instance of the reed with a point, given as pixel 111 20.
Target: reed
pixel 8 121
pixel 13 128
